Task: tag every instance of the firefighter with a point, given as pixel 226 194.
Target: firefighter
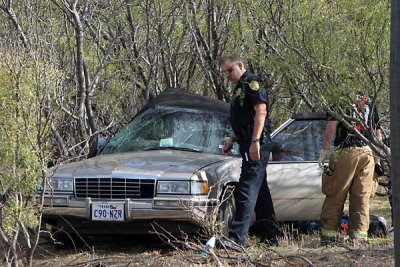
pixel 350 172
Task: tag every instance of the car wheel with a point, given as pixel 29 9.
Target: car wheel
pixel 226 210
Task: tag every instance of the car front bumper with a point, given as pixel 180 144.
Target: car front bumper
pixel 190 209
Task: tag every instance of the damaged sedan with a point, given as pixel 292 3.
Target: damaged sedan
pixel 166 168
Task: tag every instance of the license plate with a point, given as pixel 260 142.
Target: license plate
pixel 108 212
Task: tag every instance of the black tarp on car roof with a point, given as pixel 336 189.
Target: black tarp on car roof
pixel 322 115
pixel 173 97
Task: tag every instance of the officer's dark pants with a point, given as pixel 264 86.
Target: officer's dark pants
pixel 252 194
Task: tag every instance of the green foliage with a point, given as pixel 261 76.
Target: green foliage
pixel 115 95
pixel 23 128
pixel 17 211
pixel 322 50
pixel 312 53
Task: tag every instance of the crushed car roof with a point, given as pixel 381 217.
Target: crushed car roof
pixel 173 97
pixel 322 115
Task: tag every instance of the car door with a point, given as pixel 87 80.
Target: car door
pixel 294 177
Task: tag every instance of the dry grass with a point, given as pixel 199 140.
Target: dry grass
pixel 294 250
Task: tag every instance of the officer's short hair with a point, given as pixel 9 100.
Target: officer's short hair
pixel 229 59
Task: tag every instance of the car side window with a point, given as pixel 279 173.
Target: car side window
pixel 300 140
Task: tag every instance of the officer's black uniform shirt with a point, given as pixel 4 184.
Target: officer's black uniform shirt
pixel 249 91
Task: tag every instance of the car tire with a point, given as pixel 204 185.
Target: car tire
pixel 226 210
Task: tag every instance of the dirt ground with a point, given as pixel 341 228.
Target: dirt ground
pixel 151 252
pixel 293 250
pixel 135 251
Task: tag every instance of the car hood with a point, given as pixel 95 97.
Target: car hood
pixel 147 164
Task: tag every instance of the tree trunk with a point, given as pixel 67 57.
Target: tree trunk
pixel 11 15
pixel 395 122
pixel 80 71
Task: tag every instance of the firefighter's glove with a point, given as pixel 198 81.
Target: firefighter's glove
pixel 322 157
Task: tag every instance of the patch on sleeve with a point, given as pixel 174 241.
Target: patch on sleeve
pixel 254 85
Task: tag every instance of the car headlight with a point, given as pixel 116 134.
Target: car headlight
pixel 199 183
pixel 173 187
pixel 198 188
pixel 62 184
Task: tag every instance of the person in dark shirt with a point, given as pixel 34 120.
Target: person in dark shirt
pixel 351 169
pixel 250 124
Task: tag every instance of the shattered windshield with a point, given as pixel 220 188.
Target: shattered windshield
pixel 172 128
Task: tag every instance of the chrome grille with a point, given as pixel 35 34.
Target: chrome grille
pixel 113 188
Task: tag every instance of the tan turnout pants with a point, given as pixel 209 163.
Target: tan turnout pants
pixel 375 179
pixel 353 172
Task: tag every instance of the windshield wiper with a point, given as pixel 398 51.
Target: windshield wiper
pixel 175 148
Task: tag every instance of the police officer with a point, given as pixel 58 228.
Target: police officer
pixel 250 124
pixel 351 169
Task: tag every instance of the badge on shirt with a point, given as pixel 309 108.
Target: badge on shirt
pixel 238 91
pixel 254 85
